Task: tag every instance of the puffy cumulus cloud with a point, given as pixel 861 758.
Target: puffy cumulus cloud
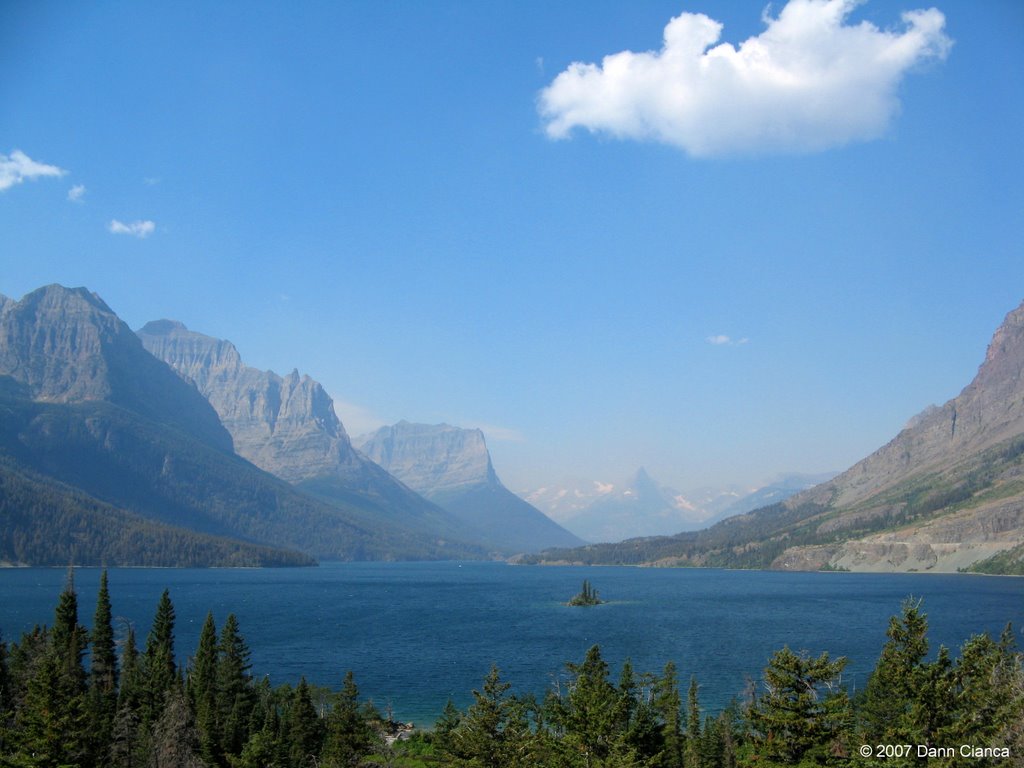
pixel 808 82
pixel 18 166
pixel 139 229
pixel 76 193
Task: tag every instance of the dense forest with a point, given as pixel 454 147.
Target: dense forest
pixel 72 696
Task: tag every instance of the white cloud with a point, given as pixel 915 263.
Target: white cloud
pixel 808 82
pixel 18 166
pixel 76 193
pixel 139 229
pixel 720 340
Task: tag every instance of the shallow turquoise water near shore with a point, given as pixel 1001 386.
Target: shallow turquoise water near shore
pixel 416 633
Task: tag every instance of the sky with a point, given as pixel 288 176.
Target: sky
pixel 719 240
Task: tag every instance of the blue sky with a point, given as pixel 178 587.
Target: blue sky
pixel 429 208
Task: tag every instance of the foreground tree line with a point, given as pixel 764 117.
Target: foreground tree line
pixel 140 708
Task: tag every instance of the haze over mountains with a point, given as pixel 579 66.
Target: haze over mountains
pixel 603 511
pixel 109 454
pixel 287 426
pixel 947 493
pixel 452 467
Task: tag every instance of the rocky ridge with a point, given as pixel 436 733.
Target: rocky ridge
pixel 286 425
pixel 452 467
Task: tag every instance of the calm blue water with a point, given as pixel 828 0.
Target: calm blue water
pixel 416 633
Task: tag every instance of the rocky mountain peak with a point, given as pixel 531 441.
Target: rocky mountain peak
pixel 430 458
pixel 283 424
pixel 65 345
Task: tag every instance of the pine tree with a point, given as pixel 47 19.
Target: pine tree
pixel 52 722
pixel 159 668
pixel 234 695
pixel 667 704
pixel 590 717
pixel 481 737
pixel 175 742
pixel 692 756
pixel 5 697
pixel 303 731
pixel 446 725
pixel 888 713
pixel 201 687
pixel 103 672
pixel 349 736
pixel 127 738
pixel 803 715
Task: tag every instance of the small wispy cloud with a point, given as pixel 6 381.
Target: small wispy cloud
pixel 810 81
pixel 76 193
pixel 722 340
pixel 139 229
pixel 18 166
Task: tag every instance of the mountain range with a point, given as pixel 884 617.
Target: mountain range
pixel 452 467
pixel 946 494
pixel 163 448
pixel 641 506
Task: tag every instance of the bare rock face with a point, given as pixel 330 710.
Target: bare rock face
pixel 988 411
pixel 431 458
pixel 284 425
pixel 287 426
pixel 452 467
pixel 65 345
pixel 964 455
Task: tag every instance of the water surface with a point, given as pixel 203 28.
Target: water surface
pixel 416 633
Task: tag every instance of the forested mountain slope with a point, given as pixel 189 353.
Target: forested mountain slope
pixel 110 436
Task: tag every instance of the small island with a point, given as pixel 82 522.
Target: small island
pixel 587 596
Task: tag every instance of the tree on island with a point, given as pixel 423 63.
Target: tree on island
pixel 587 596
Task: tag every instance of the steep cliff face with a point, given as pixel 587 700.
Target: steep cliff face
pixel 283 424
pixel 452 467
pixel 287 426
pixel 65 345
pixel 431 458
pixel 987 412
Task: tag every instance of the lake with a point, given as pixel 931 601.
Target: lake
pixel 416 633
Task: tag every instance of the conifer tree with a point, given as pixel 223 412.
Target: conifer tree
pixel 5 698
pixel 349 736
pixel 52 722
pixel 303 731
pixel 590 714
pixel 158 664
pixel 103 671
pixel 692 756
pixel 888 713
pixel 803 714
pixel 127 746
pixel 446 725
pixel 481 737
pixel 175 742
pixel 201 687
pixel 234 694
pixel 667 704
